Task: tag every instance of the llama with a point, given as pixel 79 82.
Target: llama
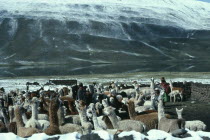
pixel 175 91
pixel 151 123
pixel 11 114
pixel 131 92
pixel 165 124
pixel 33 122
pixel 64 126
pixel 4 126
pixel 94 118
pixel 195 125
pixel 147 91
pixel 11 126
pixel 53 117
pixel 125 125
pixel 43 117
pixel 71 103
pixel 98 107
pixel 81 108
pixel 40 119
pixel 21 130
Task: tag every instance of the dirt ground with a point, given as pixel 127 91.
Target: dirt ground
pixel 192 111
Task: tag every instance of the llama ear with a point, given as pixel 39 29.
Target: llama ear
pixel 181 109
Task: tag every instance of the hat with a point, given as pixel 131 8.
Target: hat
pixel 80 85
pixel 162 78
pixel 119 97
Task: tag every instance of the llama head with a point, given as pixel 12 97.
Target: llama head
pixel 108 110
pixel 34 100
pixel 136 87
pixel 89 113
pixel 11 108
pixel 98 105
pixel 105 102
pixel 111 99
pixel 179 113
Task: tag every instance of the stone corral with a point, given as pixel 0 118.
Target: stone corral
pixel 195 91
pixel 200 92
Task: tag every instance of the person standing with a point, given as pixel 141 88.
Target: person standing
pixel 167 89
pixel 81 93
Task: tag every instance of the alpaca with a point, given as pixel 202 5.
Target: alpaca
pixel 21 130
pixel 67 127
pixel 195 125
pixel 44 124
pixel 175 91
pixel 165 124
pixel 71 104
pixel 131 92
pixel 53 117
pixel 75 119
pixel 148 90
pixel 81 108
pixel 94 118
pixel 151 123
pixel 43 117
pixel 11 114
pixel 98 107
pixel 108 123
pixel 33 121
pixel 100 119
pixel 4 126
pixel 126 125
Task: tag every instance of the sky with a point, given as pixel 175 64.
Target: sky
pixel 206 0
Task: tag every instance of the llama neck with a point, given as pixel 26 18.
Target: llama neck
pixel 117 89
pixel 82 115
pixel 161 113
pixel 179 116
pixel 152 84
pixel 131 110
pixel 114 120
pixel 137 97
pixel 171 85
pixel 19 120
pixel 53 117
pixel 34 107
pixel 95 120
pixel 152 101
pixel 24 118
pixel 5 116
pixel 11 114
pixel 179 113
pixel 61 117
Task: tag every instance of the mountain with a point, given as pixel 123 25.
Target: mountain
pixel 86 32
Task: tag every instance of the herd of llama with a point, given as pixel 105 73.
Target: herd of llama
pixel 88 108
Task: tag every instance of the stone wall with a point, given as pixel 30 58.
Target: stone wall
pixel 200 92
pixel 187 88
pixel 195 91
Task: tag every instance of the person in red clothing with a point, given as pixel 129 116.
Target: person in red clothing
pixel 166 87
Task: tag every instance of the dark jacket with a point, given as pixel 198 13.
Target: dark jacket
pixel 81 94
